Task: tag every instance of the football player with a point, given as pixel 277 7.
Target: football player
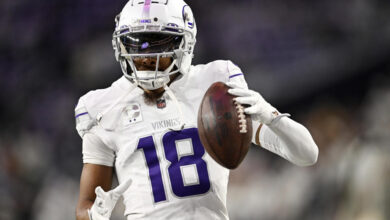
pixel 145 125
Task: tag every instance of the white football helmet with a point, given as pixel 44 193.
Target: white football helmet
pixel 154 29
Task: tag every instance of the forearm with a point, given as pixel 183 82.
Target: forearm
pixel 279 133
pixel 82 210
pixel 288 139
pixel 92 176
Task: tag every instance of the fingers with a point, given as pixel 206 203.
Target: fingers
pixel 233 85
pixel 240 92
pixel 122 187
pixel 118 191
pixel 249 100
pixel 100 192
pixel 252 110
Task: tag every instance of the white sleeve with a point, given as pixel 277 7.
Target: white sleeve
pixel 289 140
pixel 84 121
pixel 96 152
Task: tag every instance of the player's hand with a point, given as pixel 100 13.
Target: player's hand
pixel 259 109
pixel 105 201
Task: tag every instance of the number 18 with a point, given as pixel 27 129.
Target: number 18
pixel 169 141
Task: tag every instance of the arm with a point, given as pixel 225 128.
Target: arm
pixel 92 176
pixel 288 139
pixel 275 132
pixel 95 201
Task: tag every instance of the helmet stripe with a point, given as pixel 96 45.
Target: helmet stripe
pixel 146 10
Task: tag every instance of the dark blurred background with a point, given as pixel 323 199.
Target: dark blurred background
pixel 325 62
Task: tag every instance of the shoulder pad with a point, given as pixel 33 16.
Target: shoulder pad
pixel 89 106
pixel 228 71
pixel 92 105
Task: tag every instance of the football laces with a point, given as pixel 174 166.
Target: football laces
pixel 241 116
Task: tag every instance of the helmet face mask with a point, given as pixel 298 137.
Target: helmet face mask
pixel 154 31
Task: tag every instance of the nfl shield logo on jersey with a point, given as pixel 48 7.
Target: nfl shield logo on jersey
pixel 161 103
pixel 132 114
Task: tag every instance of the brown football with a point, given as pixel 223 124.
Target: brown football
pixel 224 129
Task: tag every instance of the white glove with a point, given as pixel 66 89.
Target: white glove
pixel 259 109
pixel 105 201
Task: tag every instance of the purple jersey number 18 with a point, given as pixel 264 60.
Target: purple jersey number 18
pixel 176 164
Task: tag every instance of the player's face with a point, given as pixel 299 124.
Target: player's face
pixel 149 64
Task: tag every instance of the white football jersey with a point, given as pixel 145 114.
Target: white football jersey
pixel 173 177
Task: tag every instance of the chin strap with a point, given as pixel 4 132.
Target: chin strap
pixel 178 107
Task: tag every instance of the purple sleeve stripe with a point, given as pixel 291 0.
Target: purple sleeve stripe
pixel 238 74
pixel 84 113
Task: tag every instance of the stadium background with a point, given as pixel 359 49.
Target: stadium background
pixel 325 62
